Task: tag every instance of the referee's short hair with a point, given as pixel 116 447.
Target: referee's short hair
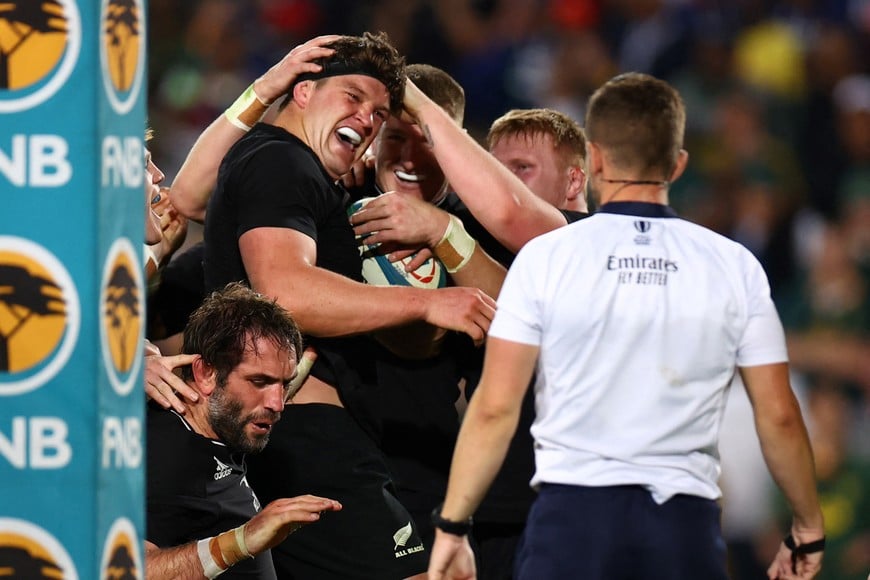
pixel 640 120
pixel 231 320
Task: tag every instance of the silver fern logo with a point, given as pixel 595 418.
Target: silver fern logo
pixel 402 536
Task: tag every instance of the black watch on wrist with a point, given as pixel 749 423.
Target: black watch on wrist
pixel 449 526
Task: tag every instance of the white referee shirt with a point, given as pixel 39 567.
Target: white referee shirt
pixel 641 319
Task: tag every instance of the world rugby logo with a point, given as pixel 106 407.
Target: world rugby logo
pixel 122 52
pixel 39 46
pixel 39 315
pixel 121 557
pixel 28 551
pixel 121 310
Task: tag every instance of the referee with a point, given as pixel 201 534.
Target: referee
pixel 637 321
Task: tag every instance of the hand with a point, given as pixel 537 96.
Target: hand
pixel 163 386
pixel 394 219
pixel 807 565
pixel 452 558
pixel 276 81
pixel 467 310
pixel 420 257
pixel 282 517
pixel 356 177
pixel 412 103
pixel 172 225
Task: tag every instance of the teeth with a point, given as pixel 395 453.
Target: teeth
pixel 415 177
pixel 350 135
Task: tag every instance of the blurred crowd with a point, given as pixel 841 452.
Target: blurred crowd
pixel 778 101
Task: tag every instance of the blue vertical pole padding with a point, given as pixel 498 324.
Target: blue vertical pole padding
pixel 71 403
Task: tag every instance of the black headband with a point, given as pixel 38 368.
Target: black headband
pixel 335 68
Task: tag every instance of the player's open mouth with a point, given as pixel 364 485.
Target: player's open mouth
pixel 262 427
pixel 349 136
pixel 412 177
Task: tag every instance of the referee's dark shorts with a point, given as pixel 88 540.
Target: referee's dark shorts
pixel 620 533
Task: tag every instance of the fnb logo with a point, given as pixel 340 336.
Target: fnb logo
pixel 122 52
pixel 39 315
pixel 28 551
pixel 39 46
pixel 121 558
pixel 121 304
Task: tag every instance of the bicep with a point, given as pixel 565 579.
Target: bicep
pixel 769 390
pixel 275 257
pixel 508 368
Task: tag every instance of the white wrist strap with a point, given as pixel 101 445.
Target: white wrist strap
pixel 456 246
pixel 209 566
pixel 247 110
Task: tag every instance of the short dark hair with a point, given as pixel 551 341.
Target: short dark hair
pixel 641 121
pixel 440 87
pixel 228 321
pixel 567 134
pixel 369 54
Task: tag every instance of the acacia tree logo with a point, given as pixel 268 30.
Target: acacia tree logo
pixel 122 315
pixel 39 315
pixel 26 26
pixel 122 38
pixel 25 296
pixel 121 310
pixel 28 551
pixel 122 52
pixel 121 559
pixel 39 46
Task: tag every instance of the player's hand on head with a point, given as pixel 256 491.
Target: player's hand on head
pixel 413 102
pixel 468 310
pixel 163 386
pixel 284 516
pixel 280 77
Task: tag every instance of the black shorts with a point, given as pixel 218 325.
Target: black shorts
pixel 320 449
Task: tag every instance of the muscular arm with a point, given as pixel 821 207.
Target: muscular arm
pixel 198 175
pixel 787 452
pixel 281 262
pixel 495 196
pixel 490 422
pixel 265 530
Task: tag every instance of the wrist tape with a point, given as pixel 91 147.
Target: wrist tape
pixel 247 110
pixel 218 553
pixel 456 246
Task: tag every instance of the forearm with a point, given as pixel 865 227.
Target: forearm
pixel 787 452
pixel 482 272
pixel 197 177
pixel 324 303
pixel 494 195
pixel 480 451
pixel 177 563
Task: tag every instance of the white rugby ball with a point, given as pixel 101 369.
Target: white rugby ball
pixel 377 270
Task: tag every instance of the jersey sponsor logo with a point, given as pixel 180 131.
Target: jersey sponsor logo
pixel 122 52
pixel 28 551
pixel 121 557
pixel 121 307
pixel 223 470
pixel 39 46
pixel 400 540
pixel 642 226
pixel 39 315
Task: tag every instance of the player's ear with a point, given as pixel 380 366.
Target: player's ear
pixel 682 161
pixel 302 93
pixel 576 182
pixel 204 376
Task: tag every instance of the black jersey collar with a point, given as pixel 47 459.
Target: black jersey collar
pixel 639 209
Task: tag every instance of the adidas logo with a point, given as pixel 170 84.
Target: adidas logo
pixel 223 470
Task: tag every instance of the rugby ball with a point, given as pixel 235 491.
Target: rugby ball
pixel 377 270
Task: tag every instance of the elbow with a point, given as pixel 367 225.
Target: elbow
pixel 185 203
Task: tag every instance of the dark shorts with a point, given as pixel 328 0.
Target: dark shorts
pixel 321 450
pixel 616 533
